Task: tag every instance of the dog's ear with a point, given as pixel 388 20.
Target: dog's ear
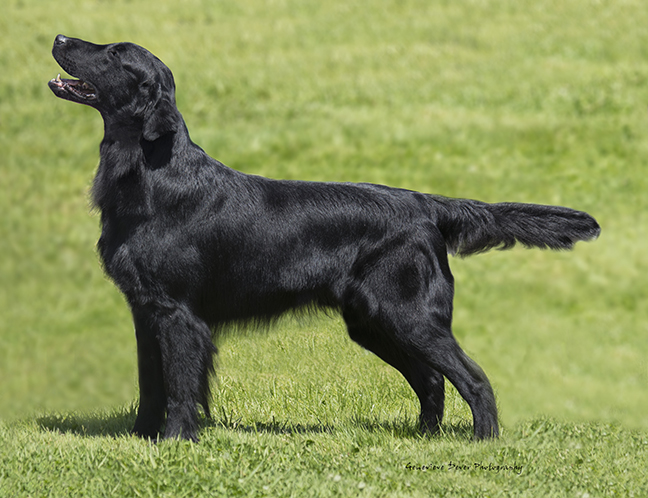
pixel 160 118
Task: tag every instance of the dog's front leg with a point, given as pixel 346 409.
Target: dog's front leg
pixel 153 402
pixel 177 372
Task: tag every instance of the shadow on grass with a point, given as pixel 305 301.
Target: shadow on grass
pixel 410 429
pixel 405 429
pixel 273 427
pixel 119 423
pixel 101 424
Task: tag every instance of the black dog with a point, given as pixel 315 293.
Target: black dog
pixel 194 246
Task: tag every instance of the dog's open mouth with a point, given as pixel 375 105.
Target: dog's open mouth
pixel 77 90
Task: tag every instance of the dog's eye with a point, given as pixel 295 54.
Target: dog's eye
pixel 113 53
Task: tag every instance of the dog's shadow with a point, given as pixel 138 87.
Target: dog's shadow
pixel 114 424
pixel 119 424
pixel 401 429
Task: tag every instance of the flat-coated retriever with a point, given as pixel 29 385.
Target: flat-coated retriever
pixel 195 245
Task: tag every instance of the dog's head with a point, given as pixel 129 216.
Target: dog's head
pixel 125 82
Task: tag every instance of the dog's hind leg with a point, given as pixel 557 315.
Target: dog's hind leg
pixel 405 292
pixel 422 330
pixel 471 382
pixel 427 383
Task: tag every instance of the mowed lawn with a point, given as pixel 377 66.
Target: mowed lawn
pixel 541 101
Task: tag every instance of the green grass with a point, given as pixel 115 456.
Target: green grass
pixel 63 457
pixel 538 101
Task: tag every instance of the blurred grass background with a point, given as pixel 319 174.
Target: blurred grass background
pixel 541 101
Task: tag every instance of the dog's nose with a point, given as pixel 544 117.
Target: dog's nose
pixel 60 40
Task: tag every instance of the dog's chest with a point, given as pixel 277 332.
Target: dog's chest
pixel 148 261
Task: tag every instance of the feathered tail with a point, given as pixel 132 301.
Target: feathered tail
pixel 470 227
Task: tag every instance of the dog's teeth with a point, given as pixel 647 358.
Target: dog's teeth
pixel 58 78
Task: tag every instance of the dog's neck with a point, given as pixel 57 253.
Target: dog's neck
pixel 127 161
